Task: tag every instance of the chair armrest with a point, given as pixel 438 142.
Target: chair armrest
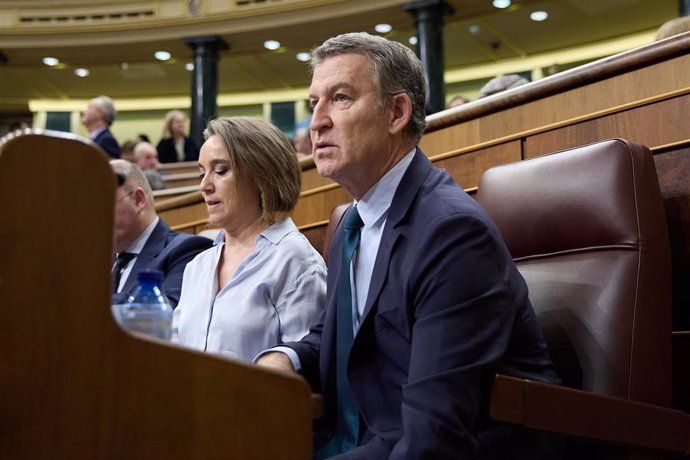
pixel 565 411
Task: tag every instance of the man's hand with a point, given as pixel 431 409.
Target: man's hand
pixel 276 360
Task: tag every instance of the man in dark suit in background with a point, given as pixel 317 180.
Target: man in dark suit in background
pixel 97 119
pixel 143 240
pixel 431 295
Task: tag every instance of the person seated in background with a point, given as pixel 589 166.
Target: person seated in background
pixel 673 27
pixel 175 145
pixel 143 240
pixel 127 150
pixel 456 101
pixel 302 141
pixel 502 83
pixel 142 137
pixel 263 283
pixel 425 304
pixel 97 119
pixel 146 157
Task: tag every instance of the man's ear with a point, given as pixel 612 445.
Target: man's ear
pixel 139 198
pixel 400 113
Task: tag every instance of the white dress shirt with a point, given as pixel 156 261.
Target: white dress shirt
pixel 373 209
pixel 273 297
pixel 135 248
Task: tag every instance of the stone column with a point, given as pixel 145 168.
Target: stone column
pixel 204 82
pixel 428 17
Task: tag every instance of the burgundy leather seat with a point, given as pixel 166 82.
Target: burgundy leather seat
pixel 587 229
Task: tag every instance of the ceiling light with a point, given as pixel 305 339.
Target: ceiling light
pixel 474 29
pixel 303 56
pixel 538 15
pixel 383 28
pixel 271 44
pixel 412 40
pixel 51 61
pixel 124 66
pixel 81 72
pixel 189 66
pixel 501 3
pixel 162 55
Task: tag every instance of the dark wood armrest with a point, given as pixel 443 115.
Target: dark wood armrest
pixel 565 411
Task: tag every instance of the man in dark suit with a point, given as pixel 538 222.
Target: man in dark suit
pixel 97 119
pixel 143 240
pixel 431 295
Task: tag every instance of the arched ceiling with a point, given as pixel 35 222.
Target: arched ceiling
pixel 116 40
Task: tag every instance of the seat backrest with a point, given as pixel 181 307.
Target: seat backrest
pixel 587 230
pixel 333 222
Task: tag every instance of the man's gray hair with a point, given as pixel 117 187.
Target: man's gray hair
pixel 105 104
pixel 396 69
pixel 140 147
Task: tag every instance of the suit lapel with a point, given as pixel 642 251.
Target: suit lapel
pixel 153 247
pixel 402 201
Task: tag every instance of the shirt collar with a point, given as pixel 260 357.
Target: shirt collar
pixel 375 203
pixel 138 245
pixel 273 234
pixel 94 134
pixel 276 232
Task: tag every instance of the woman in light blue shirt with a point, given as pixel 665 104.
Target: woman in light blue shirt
pixel 263 283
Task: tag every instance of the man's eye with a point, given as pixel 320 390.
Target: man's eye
pixel 341 98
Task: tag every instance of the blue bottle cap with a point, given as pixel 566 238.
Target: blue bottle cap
pixel 150 275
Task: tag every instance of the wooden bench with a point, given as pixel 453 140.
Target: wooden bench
pixel 75 385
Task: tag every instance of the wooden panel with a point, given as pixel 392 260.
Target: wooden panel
pixel 653 125
pixel 657 68
pixel 311 179
pixel 584 101
pixel 181 180
pixel 75 385
pixel 179 167
pixel 184 214
pixel 316 235
pixel 317 207
pixel 467 168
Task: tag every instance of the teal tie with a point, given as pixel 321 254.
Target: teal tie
pixel 347 427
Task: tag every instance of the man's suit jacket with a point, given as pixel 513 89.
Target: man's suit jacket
pixel 168 154
pixel 446 310
pixel 107 142
pixel 169 252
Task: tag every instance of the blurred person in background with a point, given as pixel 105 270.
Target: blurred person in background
pixel 97 119
pixel 146 157
pixel 175 145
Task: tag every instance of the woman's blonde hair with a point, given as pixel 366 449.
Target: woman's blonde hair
pixel 261 150
pixel 167 130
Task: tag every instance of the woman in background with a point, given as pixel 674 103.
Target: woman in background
pixel 175 145
pixel 263 283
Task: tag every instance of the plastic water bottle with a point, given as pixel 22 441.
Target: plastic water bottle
pixel 148 311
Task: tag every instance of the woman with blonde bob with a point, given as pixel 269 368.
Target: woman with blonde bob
pixel 175 145
pixel 263 283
